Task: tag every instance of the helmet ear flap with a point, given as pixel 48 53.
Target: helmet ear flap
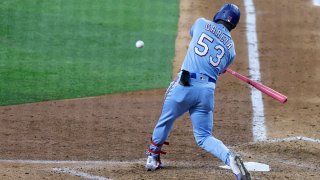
pixel 214 17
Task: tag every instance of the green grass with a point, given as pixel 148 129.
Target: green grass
pixel 58 49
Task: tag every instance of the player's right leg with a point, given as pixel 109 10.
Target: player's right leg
pixel 202 122
pixel 175 104
pixel 202 127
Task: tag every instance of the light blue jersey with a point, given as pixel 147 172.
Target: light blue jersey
pixel 211 49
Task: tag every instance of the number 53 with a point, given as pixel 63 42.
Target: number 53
pixel 205 50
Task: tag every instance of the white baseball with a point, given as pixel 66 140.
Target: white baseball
pixel 139 44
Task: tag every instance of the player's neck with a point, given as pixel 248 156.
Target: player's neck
pixel 227 25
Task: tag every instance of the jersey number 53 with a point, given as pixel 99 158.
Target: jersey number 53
pixel 205 49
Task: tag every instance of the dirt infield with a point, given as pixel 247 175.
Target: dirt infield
pixel 105 137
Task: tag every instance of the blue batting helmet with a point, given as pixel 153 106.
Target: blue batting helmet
pixel 229 13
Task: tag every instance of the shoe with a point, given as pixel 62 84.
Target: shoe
pixel 153 163
pixel 238 168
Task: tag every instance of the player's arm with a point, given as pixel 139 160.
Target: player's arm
pixel 231 58
pixel 230 62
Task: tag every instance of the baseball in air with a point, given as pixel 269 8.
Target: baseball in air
pixel 139 44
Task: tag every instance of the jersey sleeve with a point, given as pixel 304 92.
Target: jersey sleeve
pixel 230 62
pixel 231 59
pixel 194 26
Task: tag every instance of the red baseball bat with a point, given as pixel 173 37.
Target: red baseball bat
pixel 268 91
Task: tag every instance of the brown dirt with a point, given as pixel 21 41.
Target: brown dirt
pixel 115 128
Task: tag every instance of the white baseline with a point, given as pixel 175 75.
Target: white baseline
pixel 78 173
pixel 56 162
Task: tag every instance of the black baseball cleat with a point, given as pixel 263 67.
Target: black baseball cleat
pixel 244 174
pixel 238 168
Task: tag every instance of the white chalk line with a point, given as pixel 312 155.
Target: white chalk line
pixel 316 2
pixel 258 127
pixel 296 138
pixel 78 173
pixel 18 161
pixel 73 172
pixel 287 139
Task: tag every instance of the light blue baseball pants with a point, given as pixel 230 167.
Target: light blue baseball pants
pixel 198 99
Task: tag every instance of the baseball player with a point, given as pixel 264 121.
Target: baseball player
pixel 210 52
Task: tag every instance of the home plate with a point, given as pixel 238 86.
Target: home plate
pixel 252 166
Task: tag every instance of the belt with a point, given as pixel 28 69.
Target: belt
pixel 200 76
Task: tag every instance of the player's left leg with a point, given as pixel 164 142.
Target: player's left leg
pixel 176 102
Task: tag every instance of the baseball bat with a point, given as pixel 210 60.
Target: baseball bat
pixel 268 91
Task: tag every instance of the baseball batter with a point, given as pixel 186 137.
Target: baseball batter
pixel 210 52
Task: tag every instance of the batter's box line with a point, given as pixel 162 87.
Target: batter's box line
pixel 71 171
pixel 287 139
pixel 66 162
pixel 77 173
pixel 295 138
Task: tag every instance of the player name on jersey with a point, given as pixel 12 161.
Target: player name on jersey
pixel 226 40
